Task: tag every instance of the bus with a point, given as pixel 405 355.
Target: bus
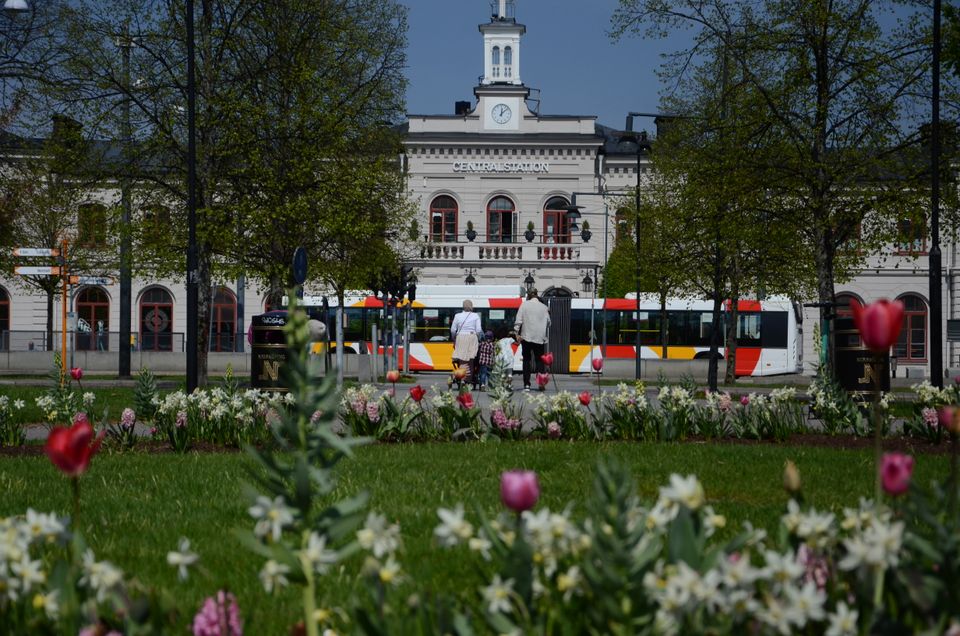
pixel 769 336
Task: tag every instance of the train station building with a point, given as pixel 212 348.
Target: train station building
pixel 494 178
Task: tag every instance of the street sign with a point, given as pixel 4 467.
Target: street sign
pixel 300 265
pixel 37 271
pixel 36 251
pixel 91 280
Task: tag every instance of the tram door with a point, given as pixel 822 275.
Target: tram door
pixel 559 339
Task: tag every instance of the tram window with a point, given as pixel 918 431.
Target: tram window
pixel 774 333
pixel 649 328
pixel 580 326
pixel 678 330
pixel 748 329
pixel 353 327
pixel 499 321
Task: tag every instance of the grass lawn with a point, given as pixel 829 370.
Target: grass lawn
pixel 136 506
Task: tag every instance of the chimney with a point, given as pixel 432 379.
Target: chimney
pixel 461 108
pixel 64 127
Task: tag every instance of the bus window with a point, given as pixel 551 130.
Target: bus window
pixel 499 321
pixel 649 328
pixel 748 330
pixel 701 328
pixel 774 332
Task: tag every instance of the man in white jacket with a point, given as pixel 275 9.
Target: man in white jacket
pixel 532 325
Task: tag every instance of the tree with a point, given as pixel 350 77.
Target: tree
pixel 832 89
pixel 272 128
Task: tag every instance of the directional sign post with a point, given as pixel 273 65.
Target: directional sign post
pixel 36 251
pixel 91 280
pixel 37 270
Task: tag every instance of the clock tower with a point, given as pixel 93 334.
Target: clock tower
pixel 501 94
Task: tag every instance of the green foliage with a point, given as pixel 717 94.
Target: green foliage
pixel 620 272
pixel 145 395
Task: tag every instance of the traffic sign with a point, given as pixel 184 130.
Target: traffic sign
pixel 37 271
pixel 91 280
pixel 300 265
pixel 36 251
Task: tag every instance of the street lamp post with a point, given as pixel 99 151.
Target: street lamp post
pixel 643 146
pixel 936 297
pixel 193 296
pixel 126 286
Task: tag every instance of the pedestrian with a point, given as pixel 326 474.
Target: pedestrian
pixel 484 361
pixel 532 325
pixel 465 331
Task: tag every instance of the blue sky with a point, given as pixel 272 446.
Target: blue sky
pixel 566 53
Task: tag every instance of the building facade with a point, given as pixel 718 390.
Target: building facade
pixel 495 181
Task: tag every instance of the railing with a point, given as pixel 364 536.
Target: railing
pixel 558 253
pixel 506 252
pixel 528 253
pixel 442 252
pixel 24 340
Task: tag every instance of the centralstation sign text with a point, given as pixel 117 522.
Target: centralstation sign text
pixel 533 167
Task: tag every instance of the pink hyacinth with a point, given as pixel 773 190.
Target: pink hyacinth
pixel 554 430
pixel 219 616
pixel 896 469
pixel 316 417
pixel 724 402
pixel 359 407
pixel 80 418
pixel 373 412
pixel 817 570
pixel 499 418
pixel 181 421
pixel 930 417
pixel 128 419
pixel 519 489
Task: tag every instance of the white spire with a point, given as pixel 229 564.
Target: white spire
pixel 503 9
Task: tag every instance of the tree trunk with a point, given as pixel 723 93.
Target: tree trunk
pixel 663 326
pixel 713 365
pixel 731 338
pixel 824 259
pixel 49 334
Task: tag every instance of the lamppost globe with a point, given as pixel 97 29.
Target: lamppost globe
pixel 15 6
pixel 528 282
pixel 573 216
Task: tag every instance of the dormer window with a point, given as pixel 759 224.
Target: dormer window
pixel 508 62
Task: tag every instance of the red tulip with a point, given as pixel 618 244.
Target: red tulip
pixel 878 323
pixel 76 373
pixel 547 358
pixel 585 398
pixel 895 472
pixel 597 364
pixel 70 449
pixel 519 489
pixel 417 393
pixel 543 379
pixel 393 376
pixel 465 400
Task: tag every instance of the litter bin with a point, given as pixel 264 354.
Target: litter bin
pixel 268 349
pixel 855 366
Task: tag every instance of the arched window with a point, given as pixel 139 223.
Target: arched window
pixel 156 320
pixel 223 323
pixel 443 220
pixel 92 225
pixel 622 222
pixel 843 311
pixel 555 226
pixel 508 62
pixel 500 214
pixel 4 320
pixel 912 346
pixel 93 320
pixel 495 61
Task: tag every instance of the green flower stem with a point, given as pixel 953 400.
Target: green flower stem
pixel 953 476
pixel 75 488
pixel 877 433
pixel 878 590
pixel 309 593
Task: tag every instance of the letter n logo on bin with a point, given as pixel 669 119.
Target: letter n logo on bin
pixel 270 371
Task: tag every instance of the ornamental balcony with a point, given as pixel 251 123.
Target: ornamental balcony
pixel 480 253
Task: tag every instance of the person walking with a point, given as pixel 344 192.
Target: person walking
pixel 532 325
pixel 465 331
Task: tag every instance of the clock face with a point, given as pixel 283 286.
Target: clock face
pixel 501 113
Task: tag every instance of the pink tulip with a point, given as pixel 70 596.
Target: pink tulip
pixel 585 398
pixel 895 472
pixel 597 364
pixel 744 400
pixel 948 417
pixel 878 323
pixel 543 379
pixel 547 358
pixel 519 489
pixel 76 373
pixel 393 376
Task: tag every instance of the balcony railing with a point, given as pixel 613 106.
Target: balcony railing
pixel 527 253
